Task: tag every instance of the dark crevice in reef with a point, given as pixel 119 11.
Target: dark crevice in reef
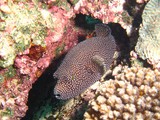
pixel 86 22
pixel 122 41
pixel 41 91
pixel 135 10
pixel 70 2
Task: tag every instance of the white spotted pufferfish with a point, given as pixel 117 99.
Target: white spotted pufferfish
pixel 83 64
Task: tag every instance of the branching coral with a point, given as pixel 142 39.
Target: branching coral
pixel 134 94
pixel 149 34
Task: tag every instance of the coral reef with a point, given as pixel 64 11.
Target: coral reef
pixel 134 94
pixel 148 45
pixel 31 35
pixel 23 26
pixel 13 98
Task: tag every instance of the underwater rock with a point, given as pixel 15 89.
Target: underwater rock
pixel 148 43
pixel 19 29
pixel 134 94
pixel 85 63
pixel 31 35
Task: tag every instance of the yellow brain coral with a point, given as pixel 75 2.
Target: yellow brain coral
pixel 134 94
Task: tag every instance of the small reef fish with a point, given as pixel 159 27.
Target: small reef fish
pixel 85 63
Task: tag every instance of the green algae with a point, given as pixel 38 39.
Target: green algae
pixel 105 1
pixel 91 21
pixel 1 79
pixel 11 72
pixel 74 1
pixel 62 4
pixel 126 18
pixel 25 25
pixel 44 111
pixel 59 49
pixel 48 110
pixel 7 112
pixel 28 21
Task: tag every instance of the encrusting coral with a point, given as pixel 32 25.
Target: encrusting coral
pixel 134 94
pixel 149 34
pixel 30 37
pixel 19 30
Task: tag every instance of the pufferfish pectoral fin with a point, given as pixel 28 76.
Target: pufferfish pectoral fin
pixel 101 63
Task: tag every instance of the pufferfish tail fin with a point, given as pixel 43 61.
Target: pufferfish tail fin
pixel 102 30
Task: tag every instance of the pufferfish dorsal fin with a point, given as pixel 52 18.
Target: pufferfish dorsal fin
pixel 102 30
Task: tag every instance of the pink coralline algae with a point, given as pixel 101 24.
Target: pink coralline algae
pixel 105 10
pixel 13 98
pixel 29 63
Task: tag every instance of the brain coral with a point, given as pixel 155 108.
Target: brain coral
pixel 149 34
pixel 134 94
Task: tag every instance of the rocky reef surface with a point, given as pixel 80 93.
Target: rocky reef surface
pixel 33 33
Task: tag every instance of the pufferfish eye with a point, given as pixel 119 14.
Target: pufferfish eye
pixel 57 96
